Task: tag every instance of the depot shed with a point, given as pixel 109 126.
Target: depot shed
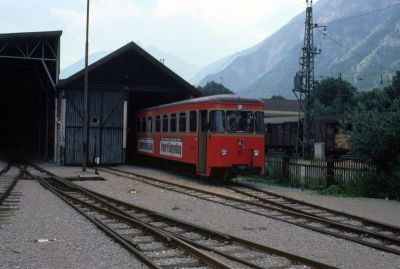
pixel 121 83
pixel 29 68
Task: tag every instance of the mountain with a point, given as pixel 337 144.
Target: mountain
pixel 79 65
pixel 182 68
pixel 362 43
pixel 214 68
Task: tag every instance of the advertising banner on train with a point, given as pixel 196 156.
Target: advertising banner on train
pixel 146 144
pixel 171 147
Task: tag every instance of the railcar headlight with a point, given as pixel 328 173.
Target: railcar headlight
pixel 224 152
pixel 256 152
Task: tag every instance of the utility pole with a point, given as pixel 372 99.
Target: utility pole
pixel 85 98
pixel 340 112
pixel 304 82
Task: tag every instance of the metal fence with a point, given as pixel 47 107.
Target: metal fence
pixel 317 173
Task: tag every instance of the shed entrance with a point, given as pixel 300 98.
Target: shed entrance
pixel 29 64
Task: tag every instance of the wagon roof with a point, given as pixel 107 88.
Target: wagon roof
pixel 222 98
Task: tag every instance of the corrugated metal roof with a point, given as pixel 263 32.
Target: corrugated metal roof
pixel 30 35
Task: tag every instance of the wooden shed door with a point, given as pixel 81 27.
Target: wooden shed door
pixel 106 114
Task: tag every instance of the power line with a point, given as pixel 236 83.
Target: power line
pixel 362 15
pixel 216 44
pixel 355 53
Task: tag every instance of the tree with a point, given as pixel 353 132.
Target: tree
pixel 375 99
pixel 375 131
pixel 213 88
pixel 331 96
pixel 393 90
pixel 277 97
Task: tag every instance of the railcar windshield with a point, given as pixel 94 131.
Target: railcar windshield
pixel 259 122
pixel 217 121
pixel 239 121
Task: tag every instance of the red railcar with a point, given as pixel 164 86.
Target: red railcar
pixel 220 135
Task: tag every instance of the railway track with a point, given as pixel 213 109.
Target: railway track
pixel 360 230
pixel 164 242
pixel 288 203
pixel 7 182
pixel 9 199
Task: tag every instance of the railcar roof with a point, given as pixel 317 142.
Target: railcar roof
pixel 222 98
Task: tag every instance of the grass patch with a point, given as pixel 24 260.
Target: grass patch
pixel 333 190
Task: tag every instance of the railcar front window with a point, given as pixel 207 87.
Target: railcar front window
pixel 260 122
pixel 217 119
pixel 240 121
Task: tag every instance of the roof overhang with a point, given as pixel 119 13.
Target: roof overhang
pixel 41 47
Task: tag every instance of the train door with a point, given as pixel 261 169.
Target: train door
pixel 203 128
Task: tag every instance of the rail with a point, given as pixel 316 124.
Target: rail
pixel 202 240
pixel 386 239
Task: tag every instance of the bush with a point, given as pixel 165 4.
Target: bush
pixel 392 186
pixel 373 186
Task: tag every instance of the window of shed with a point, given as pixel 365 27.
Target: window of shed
pixel 172 126
pixel 193 121
pixel 165 124
pixel 182 122
pixel 143 125
pixel 158 124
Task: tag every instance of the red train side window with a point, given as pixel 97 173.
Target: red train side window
pixel 165 124
pixel 172 127
pixel 158 124
pixel 138 125
pixel 144 125
pixel 182 122
pixel 193 121
pixel 150 124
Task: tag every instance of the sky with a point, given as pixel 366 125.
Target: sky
pixel 197 31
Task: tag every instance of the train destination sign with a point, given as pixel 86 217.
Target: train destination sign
pixel 171 147
pixel 146 144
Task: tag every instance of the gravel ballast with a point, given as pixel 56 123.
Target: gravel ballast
pixel 47 233
pixel 277 234
pixel 378 209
